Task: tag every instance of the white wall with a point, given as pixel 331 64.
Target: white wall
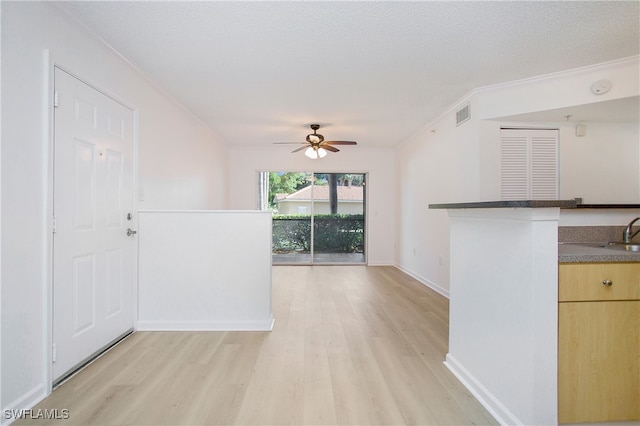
pixel 205 270
pixel 603 166
pixel 378 163
pixel 598 217
pixel 504 309
pixel 438 165
pixel 182 165
pixel 558 90
pixel 443 163
pixel 1 405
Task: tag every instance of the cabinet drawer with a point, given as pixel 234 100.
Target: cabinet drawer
pixel 589 281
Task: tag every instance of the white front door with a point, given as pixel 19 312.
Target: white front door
pixel 93 279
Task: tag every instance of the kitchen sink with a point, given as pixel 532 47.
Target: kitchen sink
pixel 615 245
pixel 624 246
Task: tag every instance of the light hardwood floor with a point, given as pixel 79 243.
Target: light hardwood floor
pixel 352 345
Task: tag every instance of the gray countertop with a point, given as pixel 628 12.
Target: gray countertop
pixel 574 252
pixel 563 204
pixel 593 253
pixel 507 204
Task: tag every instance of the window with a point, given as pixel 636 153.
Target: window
pixel 317 217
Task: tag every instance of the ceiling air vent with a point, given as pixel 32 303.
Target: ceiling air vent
pixel 462 115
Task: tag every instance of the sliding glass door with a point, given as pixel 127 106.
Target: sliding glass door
pixel 338 219
pixel 288 196
pixel 317 217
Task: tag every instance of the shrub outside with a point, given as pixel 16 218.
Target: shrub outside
pixel 333 233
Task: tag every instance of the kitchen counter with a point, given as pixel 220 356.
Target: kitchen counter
pixel 592 253
pixel 504 265
pixel 504 261
pixel 563 204
pixel 608 206
pixel 588 244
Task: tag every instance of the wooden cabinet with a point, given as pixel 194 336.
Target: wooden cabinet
pixel 599 342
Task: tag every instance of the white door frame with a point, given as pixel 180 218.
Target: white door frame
pixel 49 84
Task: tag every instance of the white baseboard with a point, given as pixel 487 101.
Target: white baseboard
pixel 25 402
pixel 266 325
pixel 378 263
pixel 482 394
pixel 433 286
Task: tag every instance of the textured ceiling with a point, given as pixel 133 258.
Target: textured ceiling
pixel 375 72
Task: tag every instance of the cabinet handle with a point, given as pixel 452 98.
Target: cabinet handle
pixel 607 282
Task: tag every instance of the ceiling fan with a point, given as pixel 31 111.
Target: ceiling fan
pixel 316 146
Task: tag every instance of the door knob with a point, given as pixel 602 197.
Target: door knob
pixel 131 232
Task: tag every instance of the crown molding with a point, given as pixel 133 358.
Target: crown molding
pixel 631 60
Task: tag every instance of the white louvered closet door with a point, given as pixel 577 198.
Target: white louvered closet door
pixel 529 163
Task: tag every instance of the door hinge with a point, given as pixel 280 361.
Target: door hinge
pixel 54 353
pixel 55 99
pixel 53 224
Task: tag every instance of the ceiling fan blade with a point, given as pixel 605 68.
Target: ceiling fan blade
pixel 315 141
pixel 340 142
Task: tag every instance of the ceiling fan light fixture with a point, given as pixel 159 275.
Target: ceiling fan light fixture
pixel 311 153
pixel 315 146
pixel 315 153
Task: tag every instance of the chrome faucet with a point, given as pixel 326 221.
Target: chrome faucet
pixel 628 235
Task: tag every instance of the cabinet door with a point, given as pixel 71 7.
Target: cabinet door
pixel 599 361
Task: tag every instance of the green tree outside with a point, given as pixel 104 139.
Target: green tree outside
pixel 285 183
